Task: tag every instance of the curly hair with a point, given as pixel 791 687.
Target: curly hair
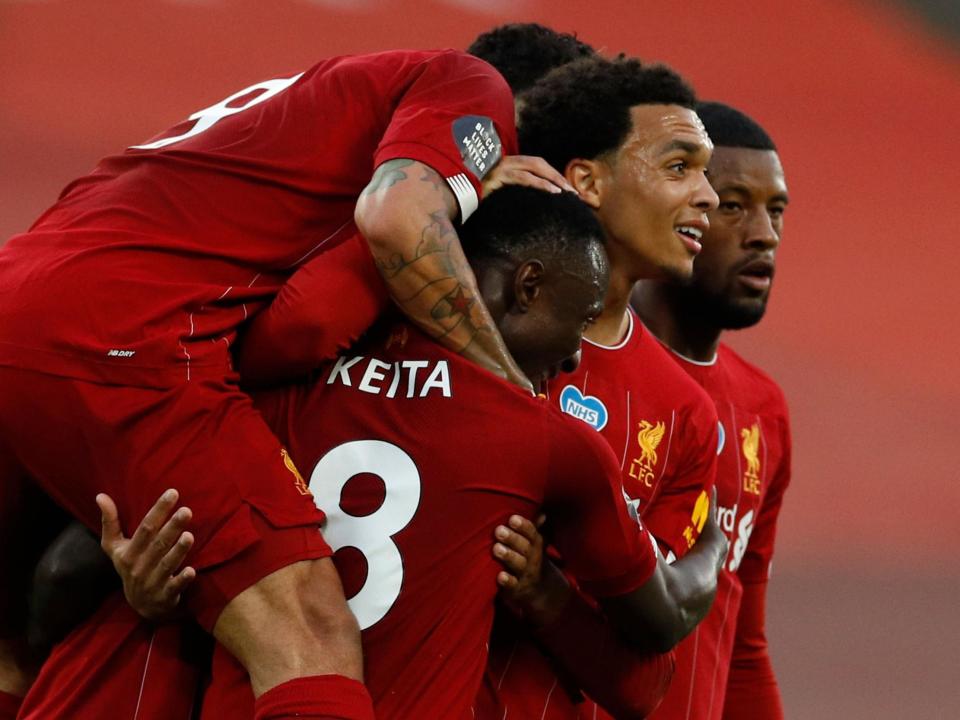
pixel 525 52
pixel 728 127
pixel 582 110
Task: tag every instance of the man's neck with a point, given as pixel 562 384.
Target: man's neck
pixel 613 323
pixel 682 331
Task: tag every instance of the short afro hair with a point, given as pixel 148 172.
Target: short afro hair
pixel 728 127
pixel 515 222
pixel 525 52
pixel 582 110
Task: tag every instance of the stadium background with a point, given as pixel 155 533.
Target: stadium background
pixel 863 100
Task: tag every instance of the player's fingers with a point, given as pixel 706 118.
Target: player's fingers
pixel 513 561
pixel 513 540
pixel 506 580
pixel 524 527
pixel 110 531
pixel 160 571
pixel 529 179
pixel 179 583
pixel 168 538
pixel 541 168
pixel 153 521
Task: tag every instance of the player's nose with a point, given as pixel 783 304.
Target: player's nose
pixel 761 232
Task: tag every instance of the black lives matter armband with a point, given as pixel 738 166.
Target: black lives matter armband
pixel 481 149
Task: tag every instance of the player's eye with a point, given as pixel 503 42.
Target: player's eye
pixel 730 206
pixel 776 211
pixel 678 167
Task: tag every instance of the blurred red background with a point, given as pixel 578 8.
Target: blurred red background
pixel 863 102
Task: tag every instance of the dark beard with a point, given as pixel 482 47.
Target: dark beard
pixel 714 311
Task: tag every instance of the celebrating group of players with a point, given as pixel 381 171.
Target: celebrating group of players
pixel 351 272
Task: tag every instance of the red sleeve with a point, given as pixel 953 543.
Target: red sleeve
pixel 457 116
pixel 752 691
pixel 603 548
pixel 321 310
pixel 676 515
pixel 623 682
pixel 755 566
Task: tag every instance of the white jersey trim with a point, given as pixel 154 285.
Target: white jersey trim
pixel 701 363
pixel 465 193
pixel 622 343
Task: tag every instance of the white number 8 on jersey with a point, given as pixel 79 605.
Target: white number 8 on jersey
pixel 370 534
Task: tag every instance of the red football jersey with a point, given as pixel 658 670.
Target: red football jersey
pixel 416 455
pixel 661 426
pixel 753 473
pixel 663 429
pixel 143 270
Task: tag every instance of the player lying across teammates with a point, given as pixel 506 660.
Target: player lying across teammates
pixel 120 304
pixel 644 178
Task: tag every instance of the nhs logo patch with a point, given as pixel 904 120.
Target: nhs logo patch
pixel 589 409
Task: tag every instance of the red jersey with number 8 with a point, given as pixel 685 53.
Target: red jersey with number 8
pixel 142 271
pixel 416 455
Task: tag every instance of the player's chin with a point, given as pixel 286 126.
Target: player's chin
pixel 678 268
pixel 744 313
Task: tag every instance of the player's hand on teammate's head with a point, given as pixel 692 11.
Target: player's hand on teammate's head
pixel 525 170
pixel 149 562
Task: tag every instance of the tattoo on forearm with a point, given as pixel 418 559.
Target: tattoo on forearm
pixel 453 310
pixel 433 177
pixel 435 239
pixel 387 175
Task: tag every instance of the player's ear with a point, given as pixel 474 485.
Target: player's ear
pixel 527 282
pixel 588 179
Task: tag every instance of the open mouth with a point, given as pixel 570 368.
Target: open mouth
pixel 757 275
pixel 691 236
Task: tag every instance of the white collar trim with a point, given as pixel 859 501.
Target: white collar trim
pixel 622 343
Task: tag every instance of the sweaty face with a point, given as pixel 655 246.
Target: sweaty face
pixel 733 274
pixel 654 194
pixel 545 340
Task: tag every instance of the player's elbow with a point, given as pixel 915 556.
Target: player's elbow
pixel 370 219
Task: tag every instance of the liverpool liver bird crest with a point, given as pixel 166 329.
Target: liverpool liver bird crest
pixel 649 437
pixel 751 449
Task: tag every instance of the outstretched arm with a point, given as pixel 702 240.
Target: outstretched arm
pixel 406 214
pixel 626 682
pixel 666 608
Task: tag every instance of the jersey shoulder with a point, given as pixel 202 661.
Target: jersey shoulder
pixel 755 383
pixel 663 371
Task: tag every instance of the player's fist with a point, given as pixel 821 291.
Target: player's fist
pixel 149 562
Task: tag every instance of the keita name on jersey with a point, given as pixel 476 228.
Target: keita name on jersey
pixel 405 378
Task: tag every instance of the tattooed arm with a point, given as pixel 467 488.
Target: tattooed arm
pixel 406 213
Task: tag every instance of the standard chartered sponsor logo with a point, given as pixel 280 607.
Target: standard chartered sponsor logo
pixel 727 520
pixel 739 546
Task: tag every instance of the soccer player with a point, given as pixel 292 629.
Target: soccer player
pixel 724 669
pixel 296 332
pixel 120 303
pixel 393 431
pixel 629 140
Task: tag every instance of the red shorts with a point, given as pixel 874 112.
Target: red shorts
pixel 253 513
